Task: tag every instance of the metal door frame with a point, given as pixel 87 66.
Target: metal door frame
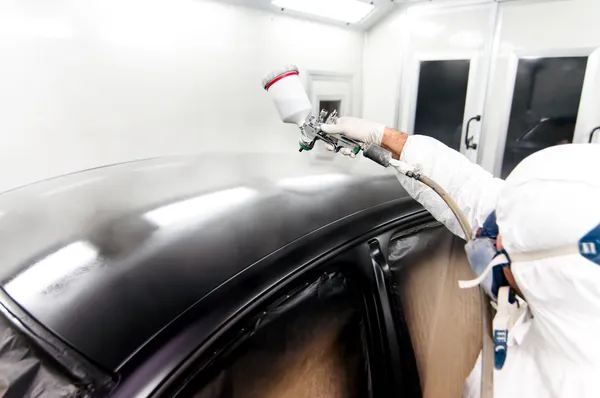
pixel 509 87
pixel 584 133
pixel 414 71
pixel 479 71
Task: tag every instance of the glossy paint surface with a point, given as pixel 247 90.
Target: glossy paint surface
pixel 108 257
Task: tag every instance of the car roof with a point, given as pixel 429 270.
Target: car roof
pixel 107 257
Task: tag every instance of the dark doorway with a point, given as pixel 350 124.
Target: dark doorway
pixel 330 106
pixel 441 100
pixel 544 106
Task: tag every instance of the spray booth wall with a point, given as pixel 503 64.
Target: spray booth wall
pixel 89 83
pixel 495 38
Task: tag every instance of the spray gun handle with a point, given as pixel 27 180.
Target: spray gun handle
pixel 345 142
pixel 338 142
pixel 374 152
pixel 378 154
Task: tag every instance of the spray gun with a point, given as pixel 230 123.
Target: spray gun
pixel 311 131
pixel 292 103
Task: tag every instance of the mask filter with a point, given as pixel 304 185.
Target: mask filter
pixel 481 252
pixel 483 255
pixel 589 245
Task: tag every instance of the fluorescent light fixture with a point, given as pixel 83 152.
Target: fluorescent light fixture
pixel 351 11
pixel 59 267
pixel 201 208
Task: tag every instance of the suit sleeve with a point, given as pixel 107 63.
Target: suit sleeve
pixel 475 190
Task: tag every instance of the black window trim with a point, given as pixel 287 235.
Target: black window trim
pixel 343 253
pixel 239 332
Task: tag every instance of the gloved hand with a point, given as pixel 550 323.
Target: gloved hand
pixel 356 129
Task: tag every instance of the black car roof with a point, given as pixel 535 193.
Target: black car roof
pixel 107 257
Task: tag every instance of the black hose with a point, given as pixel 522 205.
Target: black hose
pixel 378 154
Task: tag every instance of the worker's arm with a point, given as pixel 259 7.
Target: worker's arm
pixel 474 189
pixel 393 141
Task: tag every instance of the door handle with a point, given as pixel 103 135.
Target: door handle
pixel 469 140
pixel 592 134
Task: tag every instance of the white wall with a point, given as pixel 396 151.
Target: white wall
pixel 382 69
pixel 413 32
pixel 89 83
pixel 527 27
pixel 553 28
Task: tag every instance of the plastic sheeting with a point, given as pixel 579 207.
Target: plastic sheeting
pixel 311 344
pixel 26 373
pixel 444 321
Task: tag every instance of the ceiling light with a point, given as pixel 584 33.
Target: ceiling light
pixel 350 11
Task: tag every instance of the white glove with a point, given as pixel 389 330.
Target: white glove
pixel 356 129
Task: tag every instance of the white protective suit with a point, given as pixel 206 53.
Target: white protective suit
pixel 551 199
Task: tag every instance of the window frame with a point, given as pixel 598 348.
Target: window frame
pixel 516 58
pixel 386 373
pixel 496 138
pixel 223 350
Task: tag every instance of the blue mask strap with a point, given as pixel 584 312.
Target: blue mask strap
pixel 500 326
pixel 589 245
pixel 498 278
pixel 489 229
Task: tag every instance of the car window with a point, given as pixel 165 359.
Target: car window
pixel 308 343
pixel 444 322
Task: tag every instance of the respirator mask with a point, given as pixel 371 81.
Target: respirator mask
pixel 486 261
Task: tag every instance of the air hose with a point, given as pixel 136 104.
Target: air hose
pixel 384 157
pixel 462 220
pixel 487 343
